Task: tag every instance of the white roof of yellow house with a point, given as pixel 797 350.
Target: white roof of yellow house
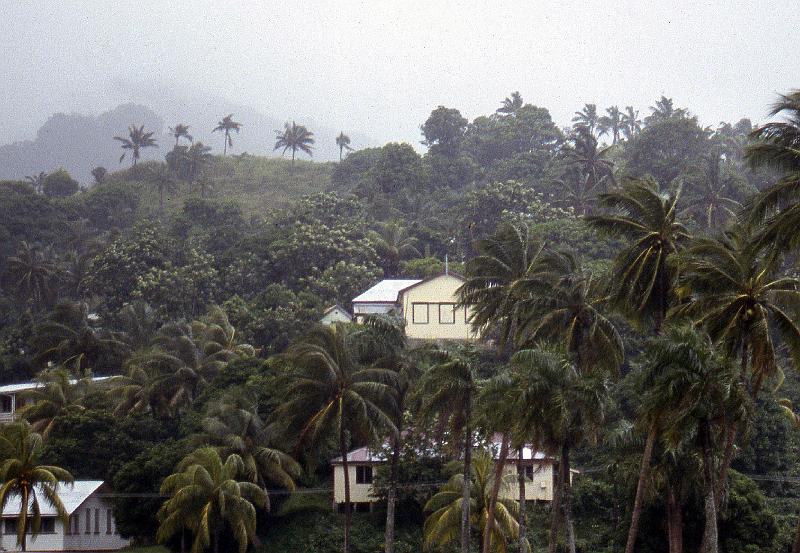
pixel 25 386
pixel 71 495
pixel 386 291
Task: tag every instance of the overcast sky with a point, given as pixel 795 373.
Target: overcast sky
pixel 379 67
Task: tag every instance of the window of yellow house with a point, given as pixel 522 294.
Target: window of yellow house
pixel 363 475
pixel 447 313
pixel 419 313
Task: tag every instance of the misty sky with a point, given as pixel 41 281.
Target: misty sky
pixel 379 67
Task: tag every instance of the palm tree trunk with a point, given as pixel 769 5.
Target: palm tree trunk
pixel 293 153
pixel 340 152
pixel 674 522
pixel 710 535
pixel 730 439
pixel 346 468
pixel 638 502
pixel 569 528
pixel 216 537
pixel 499 468
pixel 523 523
pixel 183 540
pixel 466 494
pixel 225 139
pixel 391 498
pixel 555 512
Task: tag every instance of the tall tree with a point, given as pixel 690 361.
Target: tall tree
pixel 136 140
pixel 587 118
pixel 631 124
pixel 58 393
pixel 32 272
pixel 294 137
pixel 343 141
pixel 664 108
pixel 449 388
pixel 206 495
pixel 612 123
pixel 645 270
pixel 777 146
pixel 180 130
pixel 37 181
pixel 27 481
pixel 163 179
pixel 511 104
pixel 226 126
pixel 331 395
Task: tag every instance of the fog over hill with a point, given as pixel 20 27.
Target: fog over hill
pixel 81 142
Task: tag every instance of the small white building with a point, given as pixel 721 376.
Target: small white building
pixel 336 314
pixel 12 397
pixel 91 522
pixel 540 473
pixel 429 307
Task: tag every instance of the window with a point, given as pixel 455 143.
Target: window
pixel 447 313
pixel 77 519
pixel 97 521
pixel 88 521
pixel 10 526
pixel 529 472
pixel 419 313
pixel 5 404
pixel 48 525
pixel 108 521
pixel 363 475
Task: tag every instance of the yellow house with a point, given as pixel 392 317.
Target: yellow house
pixel 428 307
pixel 540 473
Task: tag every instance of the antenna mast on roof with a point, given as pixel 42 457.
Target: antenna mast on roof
pixel 446 266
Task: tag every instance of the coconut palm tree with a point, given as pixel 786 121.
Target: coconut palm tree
pixel 32 272
pixel 587 118
pixel 218 338
pixel 330 394
pixel 226 126
pixel 631 124
pixel 27 481
pixel 589 159
pixel 511 105
pixel 37 181
pixel 710 200
pixel 393 243
pixel 194 160
pixel 611 122
pixel 664 108
pixel 564 409
pixel 645 270
pixel 206 495
pixel 441 525
pixel 777 146
pixel 234 426
pixel 448 390
pixel 179 131
pixel 567 311
pixel 58 393
pixel 136 140
pixel 294 137
pixel 506 262
pixel 343 141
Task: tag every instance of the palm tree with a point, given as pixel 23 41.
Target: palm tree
pixel 564 409
pixel 644 271
pixel 511 105
pixel 25 480
pixel 567 311
pixel 441 525
pixel 631 124
pixel 589 160
pixel 587 118
pixel 163 178
pixel 343 141
pixel 32 272
pixel 179 131
pixel 709 200
pixel 99 175
pixel 612 122
pixel 234 426
pixel 218 339
pixel 393 243
pixel 196 158
pixel 664 109
pixel 294 137
pixel 448 390
pixel 506 261
pixel 136 140
pixel 58 393
pixel 206 494
pixel 331 394
pixel 37 181
pixel 226 126
pixel 777 146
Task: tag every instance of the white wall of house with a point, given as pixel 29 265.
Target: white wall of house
pixel 537 488
pixel 430 312
pixel 45 541
pixel 359 493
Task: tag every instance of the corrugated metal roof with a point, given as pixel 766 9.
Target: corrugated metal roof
pixel 71 495
pixel 386 291
pixel 23 386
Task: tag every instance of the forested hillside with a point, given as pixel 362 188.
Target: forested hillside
pixel 635 274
